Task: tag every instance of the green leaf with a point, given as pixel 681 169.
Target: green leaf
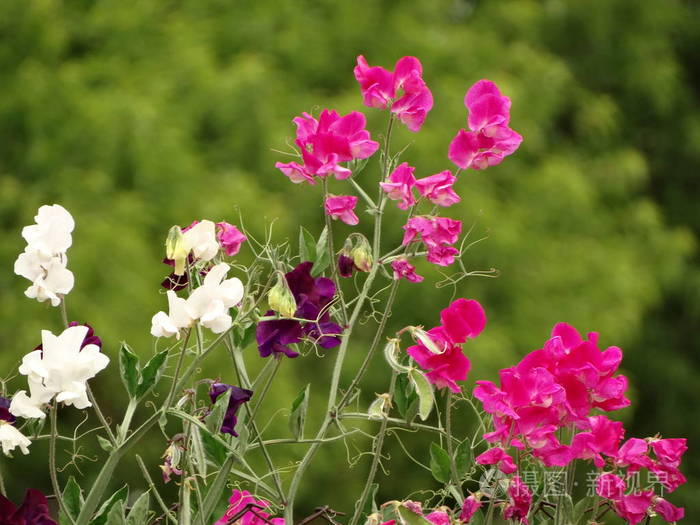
pixel 579 510
pixel 139 512
pixel 412 410
pixel 477 518
pixel 121 495
pixel 567 508
pixel 214 449
pixel 105 444
pixel 243 436
pixel 297 417
pixel 439 463
pixel 307 245
pixel 73 499
pixel 425 392
pixel 463 457
pixel 215 418
pixel 246 336
pixel 150 373
pixel 322 258
pixel 129 369
pixel 116 514
pixel 370 504
pixel 408 517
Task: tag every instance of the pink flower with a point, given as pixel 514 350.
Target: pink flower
pixel 603 437
pixel 405 270
pixel 634 507
pixel 244 509
pixel 229 237
pixel 403 90
pixel 437 234
pixel 499 457
pixel 469 507
pixel 667 511
pixel 463 319
pixel 438 517
pixel 327 142
pixel 610 486
pixel 341 207
pixel 400 185
pixel 489 139
pixel 669 451
pixel 519 501
pixel 438 188
pixel 633 454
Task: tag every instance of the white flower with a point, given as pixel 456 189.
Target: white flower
pixel 51 235
pixel 179 316
pixel 209 304
pixel 201 240
pixel 61 368
pixel 56 280
pixel 11 438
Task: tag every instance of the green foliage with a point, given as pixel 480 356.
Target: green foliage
pixel 139 115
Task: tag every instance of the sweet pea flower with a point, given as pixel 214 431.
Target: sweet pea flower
pixel 327 142
pixel 437 234
pixel 342 207
pixel 405 270
pixel 470 506
pixel 603 437
pixel 403 90
pixel 399 186
pixel 489 138
pixel 633 454
pixel 44 259
pixel 238 397
pixel 669 451
pixel 438 188
pixel 200 239
pixel 61 369
pixel 667 511
pixel 33 511
pixel 519 501
pixel 634 507
pixel 179 316
pixel 439 517
pixel 230 238
pixel 610 486
pixel 10 436
pixel 245 509
pixel 499 457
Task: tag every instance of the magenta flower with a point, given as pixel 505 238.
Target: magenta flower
pixel 342 207
pixel 439 517
pixel 245 509
pixel 400 185
pixel 438 234
pixel 499 457
pixel 33 511
pixel 667 511
pixel 519 501
pixel 610 486
pixel 238 397
pixel 489 138
pixel 603 437
pixel 438 188
pixel 463 319
pixel 404 90
pixel 405 270
pixel 633 507
pixel 230 238
pixel 469 507
pixel 326 143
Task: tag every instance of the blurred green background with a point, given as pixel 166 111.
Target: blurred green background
pixel 136 115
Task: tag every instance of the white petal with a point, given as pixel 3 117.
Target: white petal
pixel 24 406
pixel 162 326
pixel 11 438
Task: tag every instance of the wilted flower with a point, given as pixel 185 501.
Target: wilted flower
pixel 238 397
pixel 61 368
pixel 230 238
pixel 245 509
pixel 44 259
pixel 489 139
pixel 404 90
pixel 33 511
pixel 172 457
pixel 471 504
pixel 342 207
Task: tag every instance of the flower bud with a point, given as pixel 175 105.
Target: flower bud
pixel 391 351
pixel 421 336
pixel 281 298
pixel 380 407
pixel 361 254
pixel 176 249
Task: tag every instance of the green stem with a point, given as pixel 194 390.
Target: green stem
pixel 100 415
pixel 376 458
pixel 363 193
pixel 266 389
pixel 154 490
pixel 52 464
pixel 450 449
pixel 126 422
pixel 331 254
pixel 396 422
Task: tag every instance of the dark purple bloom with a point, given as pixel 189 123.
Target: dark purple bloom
pixel 312 295
pixel 238 397
pixel 33 511
pixel 90 337
pixel 345 265
pixel 177 282
pixel 5 411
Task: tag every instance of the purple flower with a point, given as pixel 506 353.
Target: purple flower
pixel 33 511
pixel 5 411
pixel 345 265
pixel 238 397
pixel 312 295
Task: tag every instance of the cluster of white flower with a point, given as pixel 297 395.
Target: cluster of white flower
pixel 61 369
pixel 209 304
pixel 44 259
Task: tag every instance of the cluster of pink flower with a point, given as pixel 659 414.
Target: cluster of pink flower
pixel 244 509
pixel 442 357
pixel 331 140
pixel 557 388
